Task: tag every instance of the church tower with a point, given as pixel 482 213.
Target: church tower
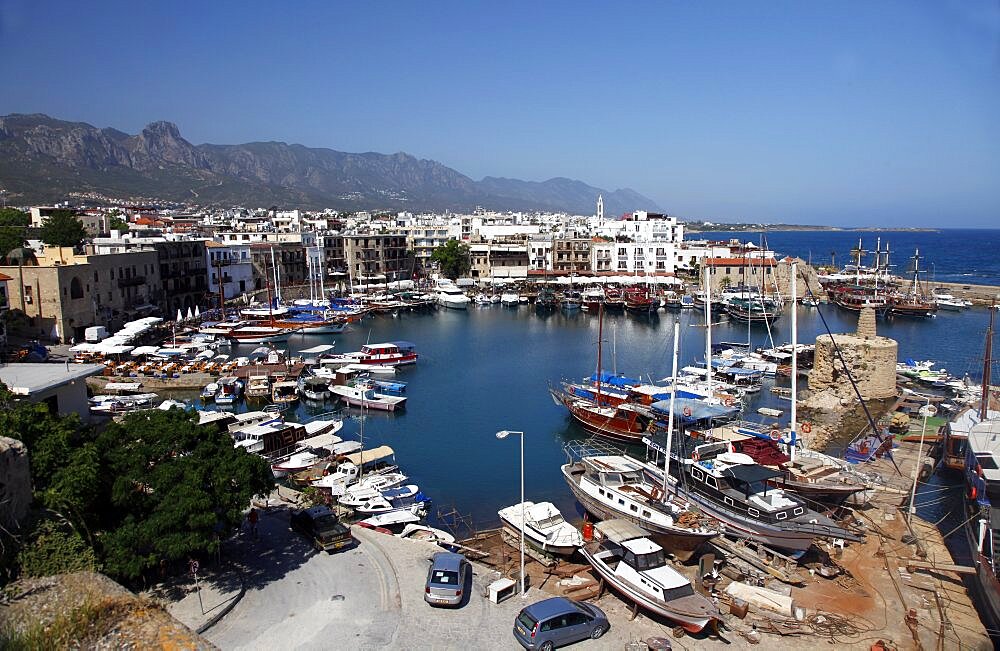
pixel 600 206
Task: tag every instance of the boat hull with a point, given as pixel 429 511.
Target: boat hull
pixel 690 623
pixel 682 543
pixel 540 545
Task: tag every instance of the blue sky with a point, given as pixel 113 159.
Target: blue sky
pixel 852 113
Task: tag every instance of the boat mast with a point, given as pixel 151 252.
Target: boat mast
pixel 673 396
pixel 984 406
pixel 322 272
pixel 708 331
pixel 600 341
pixel 794 426
pixel 277 287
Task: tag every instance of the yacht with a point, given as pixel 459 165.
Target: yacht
pixel 543 526
pixel 363 394
pixel 451 296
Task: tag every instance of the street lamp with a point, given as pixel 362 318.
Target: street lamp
pixel 502 434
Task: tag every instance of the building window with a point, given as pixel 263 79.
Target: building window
pixel 75 288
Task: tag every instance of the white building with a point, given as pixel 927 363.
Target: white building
pixel 231 264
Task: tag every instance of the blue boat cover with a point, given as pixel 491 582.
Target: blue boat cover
pixel 615 380
pixel 699 410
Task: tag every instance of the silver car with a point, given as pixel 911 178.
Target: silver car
pixel 558 622
pixel 446 579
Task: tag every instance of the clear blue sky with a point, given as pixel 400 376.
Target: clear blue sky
pixel 854 113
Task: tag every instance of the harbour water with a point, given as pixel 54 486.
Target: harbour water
pixel 489 368
pixel 949 255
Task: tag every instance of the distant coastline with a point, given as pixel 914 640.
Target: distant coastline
pixel 763 228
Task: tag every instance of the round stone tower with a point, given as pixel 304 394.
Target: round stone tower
pixel 870 358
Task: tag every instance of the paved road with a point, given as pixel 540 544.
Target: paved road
pixel 370 597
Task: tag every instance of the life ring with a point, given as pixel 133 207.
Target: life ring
pixel 775 434
pixel 656 493
pixel 807 427
pixel 695 456
pixel 728 401
pixel 972 492
pixel 687 411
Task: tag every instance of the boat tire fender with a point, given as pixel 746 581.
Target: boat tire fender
pixel 687 411
pixel 807 427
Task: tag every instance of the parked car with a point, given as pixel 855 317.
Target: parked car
pixel 557 622
pixel 446 579
pixel 320 525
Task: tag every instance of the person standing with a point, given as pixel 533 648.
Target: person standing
pixel 252 518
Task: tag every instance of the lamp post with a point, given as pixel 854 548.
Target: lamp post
pixel 502 434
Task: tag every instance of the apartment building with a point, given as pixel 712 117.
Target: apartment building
pixel 288 258
pixel 230 265
pixel 571 255
pixel 377 258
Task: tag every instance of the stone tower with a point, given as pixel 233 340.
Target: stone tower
pixel 600 206
pixel 870 358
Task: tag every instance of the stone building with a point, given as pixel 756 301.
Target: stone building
pixel 870 358
pixel 571 255
pixel 183 275
pixel 63 293
pixel 748 271
pixel 290 259
pixel 376 258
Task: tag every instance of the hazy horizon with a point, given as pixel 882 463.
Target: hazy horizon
pixel 850 114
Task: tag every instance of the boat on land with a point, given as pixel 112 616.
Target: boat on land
pixel 395 518
pixel 371 487
pixel 361 393
pixel 731 488
pixel 610 485
pixel 424 533
pixel 636 567
pixel 544 527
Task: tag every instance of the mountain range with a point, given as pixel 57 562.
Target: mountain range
pixel 43 159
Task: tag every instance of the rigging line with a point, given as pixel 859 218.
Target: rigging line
pixel 974 515
pixel 850 377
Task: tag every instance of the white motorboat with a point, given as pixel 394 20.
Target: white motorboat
pixel 544 527
pixel 947 301
pixel 297 461
pixel 451 296
pixel 230 390
pixel 426 534
pixel 209 391
pixel 509 298
pixel 637 568
pixel 371 487
pixel 378 369
pixel 407 515
pixel 348 471
pixel 323 426
pixel 392 499
pixel 314 388
pixel 363 394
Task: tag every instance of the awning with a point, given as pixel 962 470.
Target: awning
pixel 144 350
pixel 83 348
pixel 113 350
pixel 368 456
pixel 320 441
pixel 122 386
pixel 693 409
pixel 317 350
pixel 750 473
pixel 619 531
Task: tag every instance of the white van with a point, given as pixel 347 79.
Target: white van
pixel 94 334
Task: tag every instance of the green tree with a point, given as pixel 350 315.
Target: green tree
pixel 453 258
pixel 63 228
pixel 116 223
pixel 11 237
pixel 14 217
pixel 175 489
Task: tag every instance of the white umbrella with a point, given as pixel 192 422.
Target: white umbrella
pixel 179 317
pixel 197 312
pixel 190 314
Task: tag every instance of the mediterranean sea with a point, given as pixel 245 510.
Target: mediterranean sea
pixel 489 369
pixel 949 255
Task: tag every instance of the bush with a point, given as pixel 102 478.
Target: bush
pixel 54 548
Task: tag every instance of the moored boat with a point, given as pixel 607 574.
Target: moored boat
pixel 360 393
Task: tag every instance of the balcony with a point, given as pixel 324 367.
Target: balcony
pixel 134 281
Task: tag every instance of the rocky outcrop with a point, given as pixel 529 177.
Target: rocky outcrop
pixel 15 483
pixel 87 610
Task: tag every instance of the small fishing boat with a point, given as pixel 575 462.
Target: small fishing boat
pixel 314 388
pixel 393 499
pixel 389 387
pixel 230 390
pixel 360 393
pixel 543 526
pixel 371 486
pixel 284 392
pixel 406 515
pixel 427 534
pixel 258 386
pixel 209 391
pixel 636 567
pixel 509 299
pixel 298 461
pixel 377 369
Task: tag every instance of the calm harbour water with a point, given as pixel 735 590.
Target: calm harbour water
pixel 949 255
pixel 489 368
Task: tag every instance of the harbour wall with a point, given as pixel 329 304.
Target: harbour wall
pixel 978 294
